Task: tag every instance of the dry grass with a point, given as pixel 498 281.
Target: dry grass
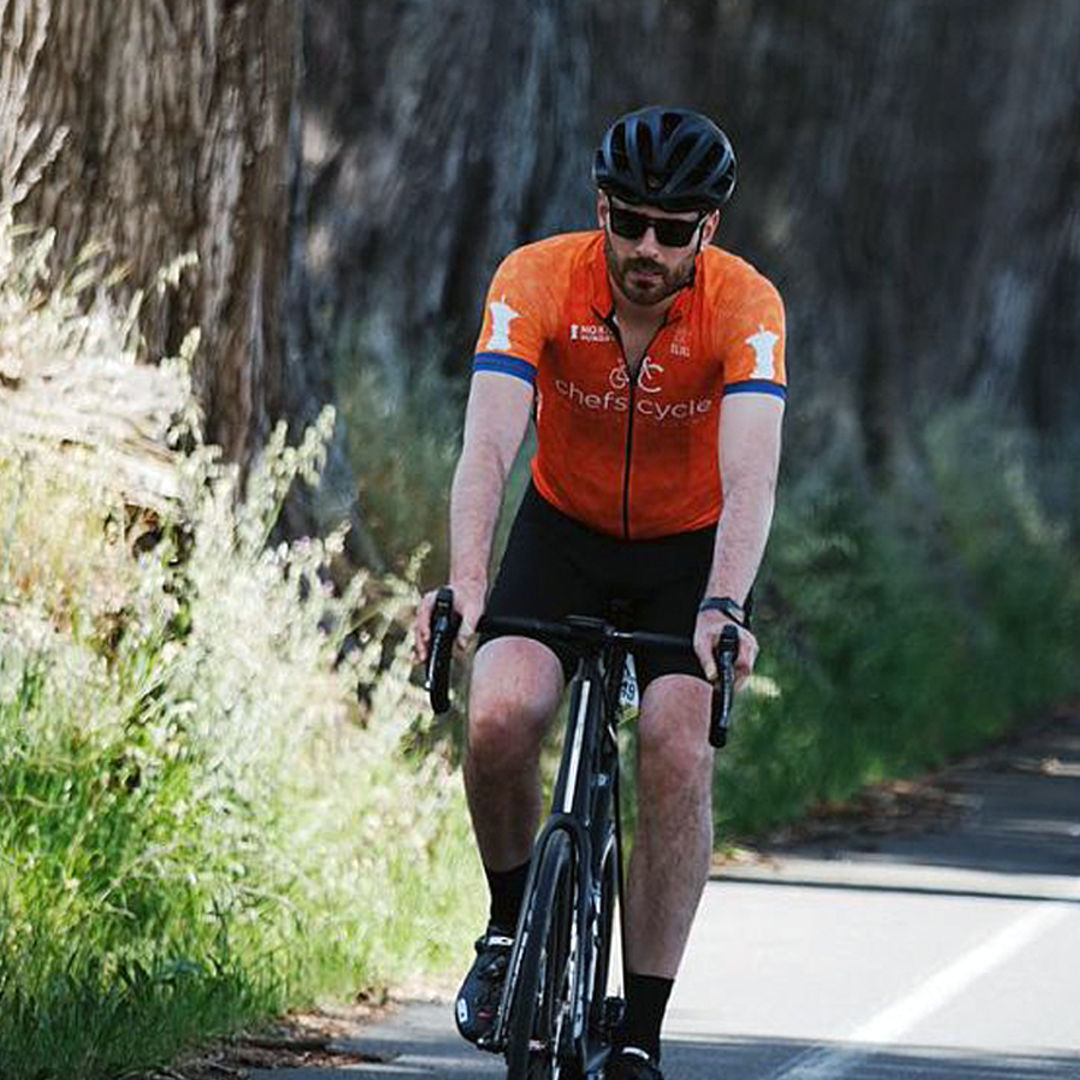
pixel 206 813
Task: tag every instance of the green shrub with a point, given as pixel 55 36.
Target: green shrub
pixel 900 632
pixel 205 810
pixel 404 442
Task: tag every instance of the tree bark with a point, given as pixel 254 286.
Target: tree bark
pixel 907 176
pixel 437 138
pixel 177 116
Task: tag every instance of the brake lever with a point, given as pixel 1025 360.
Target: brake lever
pixel 445 622
pixel 727 652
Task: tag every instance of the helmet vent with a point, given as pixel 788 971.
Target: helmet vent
pixel 704 169
pixel 669 123
pixel 677 159
pixel 618 149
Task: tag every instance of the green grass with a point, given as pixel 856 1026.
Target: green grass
pixel 109 949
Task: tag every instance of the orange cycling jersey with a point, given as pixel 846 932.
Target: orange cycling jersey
pixel 635 457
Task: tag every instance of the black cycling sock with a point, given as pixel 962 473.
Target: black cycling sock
pixel 507 892
pixel 646 1002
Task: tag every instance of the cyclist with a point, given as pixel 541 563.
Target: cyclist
pixel 653 366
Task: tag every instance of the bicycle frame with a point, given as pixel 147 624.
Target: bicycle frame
pixel 585 805
pixel 585 810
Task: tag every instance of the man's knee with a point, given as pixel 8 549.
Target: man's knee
pixel 673 742
pixel 512 698
pixel 504 732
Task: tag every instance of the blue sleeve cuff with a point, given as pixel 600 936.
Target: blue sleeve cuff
pixel 505 365
pixel 757 386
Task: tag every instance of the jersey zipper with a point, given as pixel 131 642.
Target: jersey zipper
pixel 631 379
pixel 629 454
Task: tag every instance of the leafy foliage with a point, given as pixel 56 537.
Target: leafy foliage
pixel 404 443
pixel 902 631
pixel 205 810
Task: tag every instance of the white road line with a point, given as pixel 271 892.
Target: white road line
pixel 895 1021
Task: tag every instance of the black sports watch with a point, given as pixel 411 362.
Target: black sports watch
pixel 727 606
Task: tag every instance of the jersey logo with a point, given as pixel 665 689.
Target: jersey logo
pixel 502 315
pixel 764 345
pixel 592 333
pixel 648 377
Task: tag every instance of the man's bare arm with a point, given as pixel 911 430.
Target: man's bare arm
pixel 750 427
pixel 495 421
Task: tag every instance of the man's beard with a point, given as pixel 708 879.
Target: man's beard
pixel 656 284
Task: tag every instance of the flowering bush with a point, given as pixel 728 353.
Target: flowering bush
pixel 205 809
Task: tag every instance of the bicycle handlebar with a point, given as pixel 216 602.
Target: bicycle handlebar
pixel 583 632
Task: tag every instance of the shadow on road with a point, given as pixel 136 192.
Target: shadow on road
pixel 1023 814
pixel 432 1055
pixel 794 881
pixel 780 1059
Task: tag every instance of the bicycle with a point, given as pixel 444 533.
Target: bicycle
pixel 556 1018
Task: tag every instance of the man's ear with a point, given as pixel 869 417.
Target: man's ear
pixel 708 230
pixel 601 209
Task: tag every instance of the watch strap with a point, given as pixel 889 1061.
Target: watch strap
pixel 726 605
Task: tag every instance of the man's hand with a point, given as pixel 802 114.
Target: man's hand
pixel 706 636
pixel 468 603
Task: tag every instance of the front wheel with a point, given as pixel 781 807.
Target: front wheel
pixel 539 1043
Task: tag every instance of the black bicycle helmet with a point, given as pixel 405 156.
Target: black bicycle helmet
pixel 672 158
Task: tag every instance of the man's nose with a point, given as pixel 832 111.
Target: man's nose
pixel 648 242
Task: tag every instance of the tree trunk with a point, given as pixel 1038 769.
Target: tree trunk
pixel 907 175
pixel 439 136
pixel 177 118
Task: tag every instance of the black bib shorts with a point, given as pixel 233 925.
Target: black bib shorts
pixel 555 566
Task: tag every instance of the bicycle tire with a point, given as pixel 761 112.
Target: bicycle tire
pixel 543 1004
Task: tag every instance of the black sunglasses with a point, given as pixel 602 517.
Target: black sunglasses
pixel 670 232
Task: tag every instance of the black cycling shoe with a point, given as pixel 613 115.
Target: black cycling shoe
pixel 478 999
pixel 630 1063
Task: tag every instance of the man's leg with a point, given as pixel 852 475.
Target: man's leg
pixel 516 687
pixel 670 861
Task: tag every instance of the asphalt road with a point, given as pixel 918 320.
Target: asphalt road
pixel 953 954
